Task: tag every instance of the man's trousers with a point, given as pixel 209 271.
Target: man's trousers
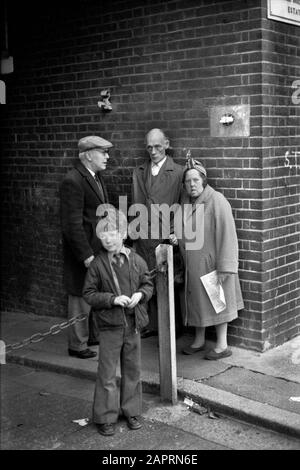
pixel 84 330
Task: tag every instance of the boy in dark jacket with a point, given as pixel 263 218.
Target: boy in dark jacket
pixel 117 286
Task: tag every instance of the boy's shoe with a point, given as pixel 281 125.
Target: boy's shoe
pixel 85 354
pixel 133 422
pixel 106 429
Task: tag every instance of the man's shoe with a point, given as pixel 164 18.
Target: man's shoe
pixel 147 333
pixel 92 343
pixel 190 350
pixel 85 354
pixel 106 429
pixel 213 355
pixel 133 423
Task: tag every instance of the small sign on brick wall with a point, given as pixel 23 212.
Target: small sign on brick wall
pixel 286 11
pixel 230 121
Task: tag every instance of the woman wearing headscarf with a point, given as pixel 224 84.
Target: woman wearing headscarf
pixel 215 247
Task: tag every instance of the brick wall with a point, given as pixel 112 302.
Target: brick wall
pixel 280 184
pixel 166 63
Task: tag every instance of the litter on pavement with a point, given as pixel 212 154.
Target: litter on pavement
pixel 201 410
pixel 81 422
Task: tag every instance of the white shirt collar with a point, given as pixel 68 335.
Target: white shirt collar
pixel 124 250
pixel 159 164
pixel 92 172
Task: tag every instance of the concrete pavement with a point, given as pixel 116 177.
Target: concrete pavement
pixel 40 411
pixel 251 386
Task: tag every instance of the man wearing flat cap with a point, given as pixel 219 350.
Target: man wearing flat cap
pixel 81 192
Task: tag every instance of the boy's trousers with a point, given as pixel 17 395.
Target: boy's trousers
pixel 115 343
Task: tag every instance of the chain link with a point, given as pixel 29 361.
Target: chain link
pixel 53 330
pixel 154 271
pixel 36 338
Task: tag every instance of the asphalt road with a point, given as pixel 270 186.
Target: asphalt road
pixel 38 410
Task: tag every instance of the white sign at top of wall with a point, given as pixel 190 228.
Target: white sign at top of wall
pixel 286 11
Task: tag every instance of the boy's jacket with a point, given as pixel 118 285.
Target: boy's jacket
pixel 99 290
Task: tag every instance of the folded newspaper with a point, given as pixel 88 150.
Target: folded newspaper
pixel 214 291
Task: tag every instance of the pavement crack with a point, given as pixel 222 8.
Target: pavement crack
pixel 269 375
pixel 218 374
pixel 215 374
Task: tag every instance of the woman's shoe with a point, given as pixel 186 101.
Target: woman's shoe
pixel 213 355
pixel 190 350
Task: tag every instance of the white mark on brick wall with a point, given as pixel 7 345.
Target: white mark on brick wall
pixel 291 159
pixel 296 354
pixel 296 93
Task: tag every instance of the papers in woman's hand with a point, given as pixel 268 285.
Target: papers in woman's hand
pixel 214 291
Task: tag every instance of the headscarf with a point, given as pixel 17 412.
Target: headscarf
pixel 192 164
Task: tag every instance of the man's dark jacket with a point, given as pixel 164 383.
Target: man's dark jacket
pixel 166 189
pixel 80 197
pixel 100 289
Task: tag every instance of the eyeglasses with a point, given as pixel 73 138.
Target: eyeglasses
pixel 158 148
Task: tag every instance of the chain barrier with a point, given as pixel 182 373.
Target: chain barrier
pixel 53 330
pixel 57 328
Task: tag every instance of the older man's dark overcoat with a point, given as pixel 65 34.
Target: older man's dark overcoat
pixel 80 197
pixel 164 189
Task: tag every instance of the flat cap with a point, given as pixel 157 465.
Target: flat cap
pixel 93 142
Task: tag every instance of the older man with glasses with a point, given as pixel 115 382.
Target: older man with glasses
pixel 157 181
pixel 81 192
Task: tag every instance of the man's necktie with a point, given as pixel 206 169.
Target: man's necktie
pixel 99 186
pixel 155 170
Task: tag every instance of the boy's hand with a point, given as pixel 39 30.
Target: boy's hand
pixel 122 300
pixel 135 299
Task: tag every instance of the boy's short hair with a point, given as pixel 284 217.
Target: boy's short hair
pixel 112 220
